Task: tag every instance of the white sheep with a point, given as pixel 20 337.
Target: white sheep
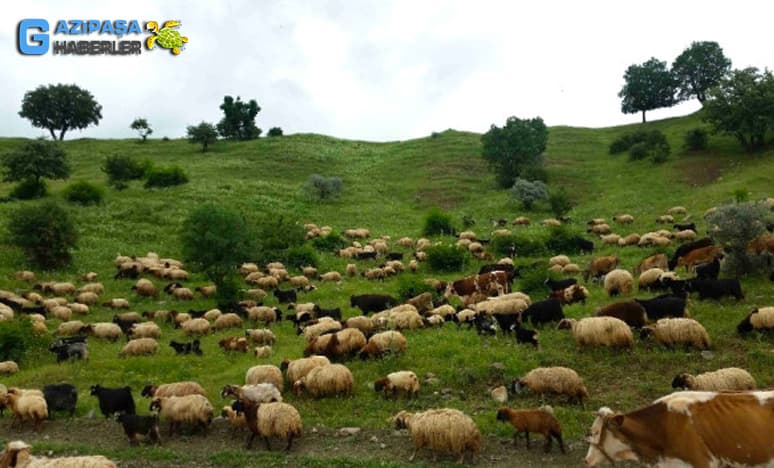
pixel 674 331
pixel 70 328
pixel 196 326
pixel 553 380
pixel 78 308
pixel 332 276
pixel 27 406
pixel 145 330
pixel 62 313
pixel 272 420
pixel 619 281
pixel 139 347
pixel 187 387
pixel 262 352
pixel 385 342
pixel 599 331
pixel 87 298
pixel 261 336
pixel 264 314
pixel 649 278
pixel 299 281
pixel 327 380
pixel 361 322
pixel 17 454
pixel 759 319
pixel 265 374
pixel 230 320
pixel 189 409
pixel 443 430
pixel 320 328
pixel 104 330
pixel 405 382
pixel 298 368
pixel 729 379
pixel 8 368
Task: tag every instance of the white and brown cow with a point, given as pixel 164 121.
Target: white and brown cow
pixel 487 283
pixel 698 429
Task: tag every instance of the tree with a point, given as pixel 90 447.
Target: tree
pixel 648 86
pixel 699 68
pixel 238 122
pixel 60 107
pixel 274 131
pixel 742 105
pixel 529 192
pixel 45 232
pixel 515 147
pixel 142 127
pixel 203 133
pixel 35 160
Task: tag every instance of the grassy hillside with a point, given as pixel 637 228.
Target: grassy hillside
pixel 388 188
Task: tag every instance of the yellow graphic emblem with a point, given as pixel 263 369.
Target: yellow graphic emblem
pixel 167 37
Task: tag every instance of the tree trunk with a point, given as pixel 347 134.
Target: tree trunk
pixel 61 134
pixel 643 116
pixel 53 135
pixel 204 147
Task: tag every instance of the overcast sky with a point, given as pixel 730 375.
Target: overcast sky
pixel 378 70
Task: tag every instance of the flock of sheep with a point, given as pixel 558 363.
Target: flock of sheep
pixel 484 301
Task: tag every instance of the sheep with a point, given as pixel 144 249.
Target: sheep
pixel 441 430
pixel 247 268
pixel 619 282
pixel 340 344
pixel 197 326
pixel 25 275
pixel 264 314
pixel 225 321
pixel 183 388
pixel 385 342
pixel 60 397
pixel 261 336
pixel 423 302
pixel 113 400
pixel 104 330
pixel 333 276
pixel 630 312
pixel 551 222
pixel 62 313
pixel 257 393
pixel 677 210
pixel 147 426
pixel 665 219
pixel 327 380
pixel 17 454
pixel 552 380
pixel 320 328
pixel 540 421
pixel 571 269
pixel 212 315
pixel 270 420
pixel 730 379
pixel 117 303
pixel 446 311
pixel 70 328
pixel 685 235
pixel 600 266
pixel 189 409
pixel 360 322
pixel 180 318
pixel 650 278
pixel 234 343
pixel 514 306
pixel 145 330
pixel 499 394
pixel 186 348
pixel 610 239
pixel 541 312
pixel 405 382
pixel 599 331
pixel 8 368
pixel 623 219
pixel 759 319
pixel 139 347
pixel 69 350
pixel 662 306
pixel 265 374
pixel 145 288
pixel 631 239
pixel 309 272
pixel 236 420
pixel 673 331
pixel 262 351
pixel 560 260
pixel 298 368
pixel 573 294
pixel 78 308
pixel 207 291
pixel 600 229
pixel 63 289
pixel 87 298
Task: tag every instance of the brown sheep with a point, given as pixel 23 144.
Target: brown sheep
pixel 539 421
pixel 601 266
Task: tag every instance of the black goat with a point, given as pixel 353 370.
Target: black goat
pixel 285 296
pixel 113 400
pixel 541 312
pixel 191 347
pixel 60 397
pixel 560 285
pixel 708 270
pixel 147 426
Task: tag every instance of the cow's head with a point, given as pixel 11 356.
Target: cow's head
pixel 605 443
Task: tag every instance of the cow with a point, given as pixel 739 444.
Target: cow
pixel 698 429
pixel 486 283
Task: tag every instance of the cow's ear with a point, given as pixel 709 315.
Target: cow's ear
pixel 616 421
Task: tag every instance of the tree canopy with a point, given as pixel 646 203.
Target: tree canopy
pixel 238 122
pixel 60 108
pixel 515 147
pixel 204 133
pixel 142 127
pixel 648 86
pixel 699 68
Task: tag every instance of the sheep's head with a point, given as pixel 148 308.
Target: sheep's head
pixel 232 390
pixel 745 326
pixel 298 387
pixel 380 384
pixel 646 332
pixel 149 390
pixel 402 420
pixel 566 324
pixel 502 414
pixel 682 380
pixel 155 405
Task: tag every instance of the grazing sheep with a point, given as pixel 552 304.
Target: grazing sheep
pixel 145 288
pixel 394 383
pixel 140 347
pixel 104 330
pixel 27 406
pixel 186 348
pixel 630 312
pixel 674 331
pixel 189 409
pixel 360 322
pixel 270 420
pixel 381 343
pixel 599 331
pixel 539 421
pixel 78 308
pixel 665 219
pixel 60 397
pixel 145 330
pixel 730 379
pixel 183 388
pixel 17 455
pixel 8 368
pixel 573 294
pixel 87 298
pixel 553 380
pixel 610 239
pixel 298 368
pixel 446 311
pixel 207 291
pixel 560 260
pixel 265 314
pixel 759 319
pixel 117 303
pixel 441 430
pixel 677 210
pixel 619 282
pixel 265 374
pixel 571 269
pixel 309 272
pixel 542 312
pixel 236 420
pixel 212 315
pixel 623 219
pixel 261 336
pixel 25 275
pixel 340 344
pixel 600 266
pixel 70 328
pixel 62 313
pixel 327 380
pixel 197 326
pixel 650 278
pixel 423 302
pixel 685 235
pixel 333 276
pixel 225 321
pixel 180 318
pixel 70 350
pixel 262 351
pixel 257 393
pixel 631 239
pixel 234 343
pixel 320 328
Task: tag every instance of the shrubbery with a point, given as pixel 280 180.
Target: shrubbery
pixel 643 144
pixel 17 339
pixel 274 132
pixel 301 256
pixel 330 243
pixel 276 236
pixel 561 239
pixel 83 193
pixel 532 279
pixel 733 227
pixel 45 232
pixel 438 222
pixel 528 192
pixel 412 285
pixel 696 139
pixel 560 203
pixel 29 189
pixel 159 177
pixel 517 244
pixel 121 169
pixel 322 188
pixel 447 258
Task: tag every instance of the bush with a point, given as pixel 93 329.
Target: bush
pixel 535 172
pixel 330 243
pixel 528 192
pixel 532 279
pixel 276 236
pixel 560 203
pixel 638 151
pixel 622 143
pixel 301 256
pixel 733 227
pixel 29 189
pixel 45 232
pixel 274 132
pixel 165 177
pixel 438 222
pixel 562 240
pixel 17 339
pixel 696 139
pixel 517 244
pixel 323 188
pixel 643 144
pixel 121 169
pixel 83 193
pixel 447 258
pixel 413 285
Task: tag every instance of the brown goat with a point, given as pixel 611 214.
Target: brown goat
pixel 539 421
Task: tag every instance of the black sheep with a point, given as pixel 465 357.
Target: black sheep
pixel 708 270
pixel 583 245
pixel 559 285
pixel 666 305
pixel 129 273
pixel 715 289
pixel 485 325
pixel 684 227
pixel 285 296
pixel 366 255
pixel 525 336
pixel 186 348
pixel 113 400
pixel 506 322
pixel 541 312
pixel 369 303
pixel 147 426
pixel 394 256
pixel 335 313
pixel 60 397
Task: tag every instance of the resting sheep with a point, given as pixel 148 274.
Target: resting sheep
pixel 394 383
pixel 599 331
pixel 552 380
pixel 674 331
pixel 730 379
pixel 539 421
pixel 441 430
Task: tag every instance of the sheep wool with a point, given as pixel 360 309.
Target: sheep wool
pixel 729 379
pixel 19 452
pixel 183 388
pixel 328 380
pixel 650 277
pixel 139 347
pixel 763 318
pixel 265 374
pixel 441 430
pixel 277 419
pixel 237 420
pixel 189 409
pixel 362 323
pixel 341 343
pixel 105 330
pixel 261 336
pixel 27 406
pixel 69 328
pixel 499 394
pixel 8 367
pixel 197 326
pixel 384 342
pixel 225 321
pixel 599 331
pixel 405 382
pixel 560 260
pixel 554 380
pixel 674 331
pixel 298 368
pixel 320 328
pixel 619 282
pixel 146 330
pixel 262 352
pixel 87 298
pixel 263 314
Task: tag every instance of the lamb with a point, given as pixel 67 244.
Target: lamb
pixel 265 314
pixel 17 454
pixel 441 430
pixel 630 312
pixel 189 409
pixel 8 368
pixel 113 400
pixel 759 319
pixel 145 330
pixel 262 336
pixel 340 344
pixel 405 382
pixel 104 330
pixel 552 380
pixel 230 320
pixel 234 343
pixel 140 347
pixel 327 380
pixel 270 420
pixel 673 331
pixel 599 331
pixel 183 388
pixel 540 421
pixel 265 374
pixel 27 406
pixel 197 326
pixel 619 282
pixel 147 426
pixel 145 288
pixel 382 343
pixel 730 379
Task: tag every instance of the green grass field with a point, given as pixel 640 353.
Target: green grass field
pixel 388 188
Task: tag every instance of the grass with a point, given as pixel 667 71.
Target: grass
pixel 389 188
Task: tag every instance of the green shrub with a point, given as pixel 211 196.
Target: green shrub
pixel 621 144
pixel 638 151
pixel 17 339
pixel 696 139
pixel 560 203
pixel 741 196
pixel 323 188
pixel 301 256
pixel 330 243
pixel 447 258
pixel 413 285
pixel 121 169
pixel 532 279
pixel 274 132
pixel 438 222
pixel 29 189
pixel 535 172
pixel 276 235
pixel 733 227
pixel 528 192
pixel 83 193
pixel 518 244
pixel 165 177
pixel 561 240
pixel 44 232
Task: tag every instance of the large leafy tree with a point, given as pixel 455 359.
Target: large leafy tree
pixel 518 145
pixel 238 121
pixel 699 68
pixel 142 127
pixel 742 105
pixel 204 133
pixel 648 86
pixel 60 108
pixel 35 160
